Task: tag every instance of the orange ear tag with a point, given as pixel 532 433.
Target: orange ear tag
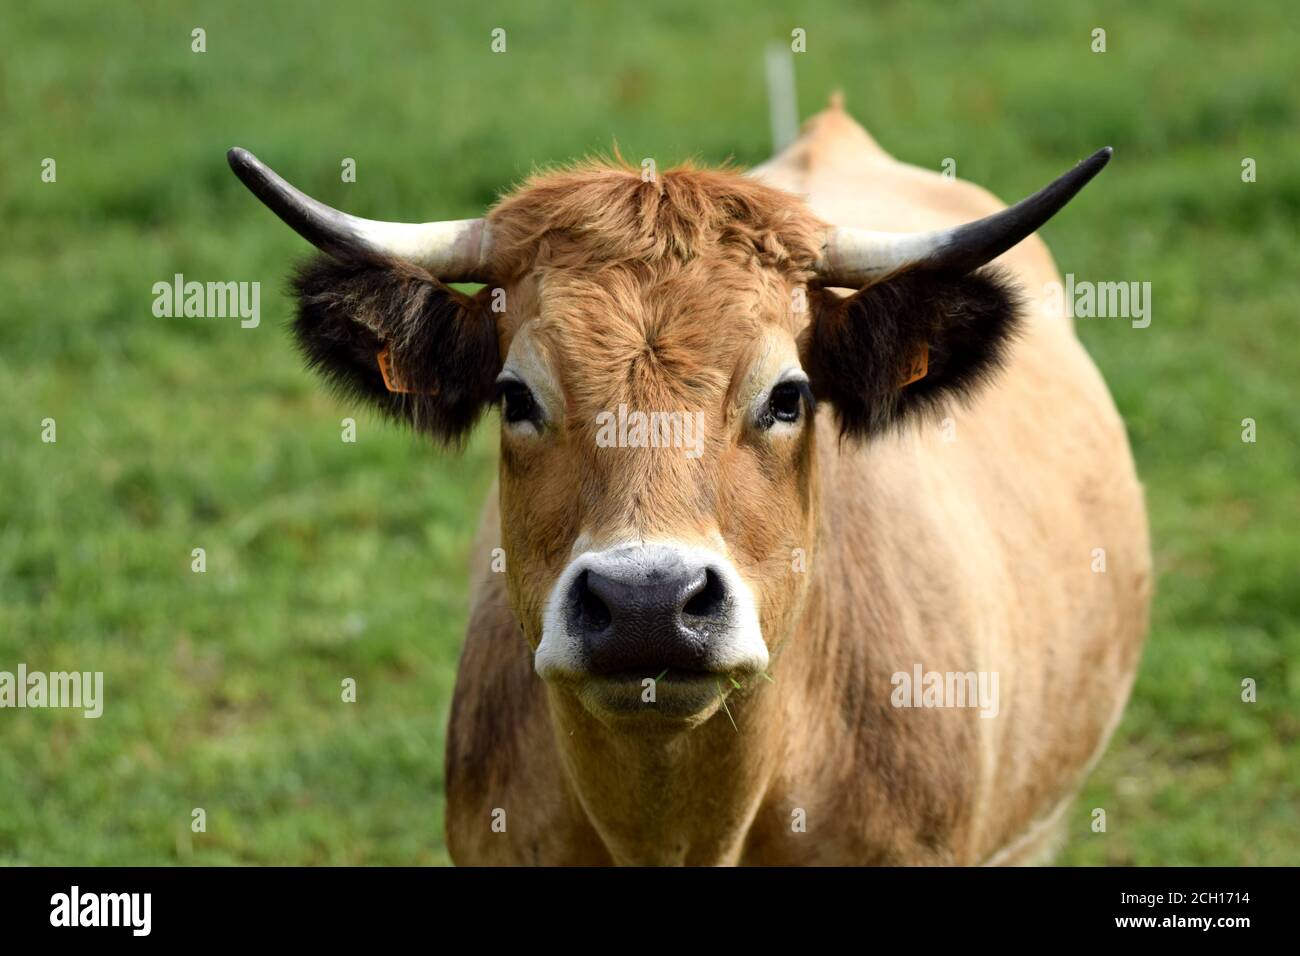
pixel 920 367
pixel 391 381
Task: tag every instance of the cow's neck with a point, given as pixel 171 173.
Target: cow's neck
pixel 686 798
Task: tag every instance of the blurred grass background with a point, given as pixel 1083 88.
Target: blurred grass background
pixel 329 560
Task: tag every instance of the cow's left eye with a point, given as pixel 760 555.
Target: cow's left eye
pixel 784 403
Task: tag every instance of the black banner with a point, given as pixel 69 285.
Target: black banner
pixel 334 906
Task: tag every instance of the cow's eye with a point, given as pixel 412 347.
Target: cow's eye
pixel 517 403
pixel 784 403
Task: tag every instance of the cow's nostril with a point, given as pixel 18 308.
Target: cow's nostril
pixel 709 599
pixel 594 612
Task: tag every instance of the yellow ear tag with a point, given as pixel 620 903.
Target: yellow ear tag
pixel 920 367
pixel 391 381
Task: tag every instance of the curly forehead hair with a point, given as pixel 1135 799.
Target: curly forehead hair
pixel 601 212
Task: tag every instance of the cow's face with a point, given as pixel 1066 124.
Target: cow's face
pixel 655 349
pixel 657 486
pixel 657 478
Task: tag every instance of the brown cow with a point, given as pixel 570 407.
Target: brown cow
pixel 766 486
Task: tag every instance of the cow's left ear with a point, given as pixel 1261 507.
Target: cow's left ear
pixel 907 345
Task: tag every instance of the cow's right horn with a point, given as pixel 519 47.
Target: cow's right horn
pixel 455 250
pixel 855 258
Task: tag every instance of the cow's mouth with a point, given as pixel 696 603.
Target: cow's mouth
pixel 674 697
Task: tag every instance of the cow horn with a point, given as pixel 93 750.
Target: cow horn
pixel 854 258
pixel 454 251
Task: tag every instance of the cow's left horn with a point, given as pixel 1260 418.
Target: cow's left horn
pixel 854 258
pixel 454 251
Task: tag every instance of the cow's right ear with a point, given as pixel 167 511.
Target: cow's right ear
pixel 389 332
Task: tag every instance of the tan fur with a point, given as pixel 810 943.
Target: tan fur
pixel 966 555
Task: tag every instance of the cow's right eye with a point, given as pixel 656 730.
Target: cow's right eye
pixel 517 403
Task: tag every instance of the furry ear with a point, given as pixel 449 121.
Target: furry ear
pixel 442 345
pixel 859 352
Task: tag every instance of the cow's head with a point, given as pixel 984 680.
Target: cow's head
pixel 658 348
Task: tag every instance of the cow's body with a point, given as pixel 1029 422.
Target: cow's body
pixel 967 546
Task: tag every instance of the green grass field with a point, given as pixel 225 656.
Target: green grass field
pixel 328 560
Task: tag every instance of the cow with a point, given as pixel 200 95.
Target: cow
pixel 908 472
